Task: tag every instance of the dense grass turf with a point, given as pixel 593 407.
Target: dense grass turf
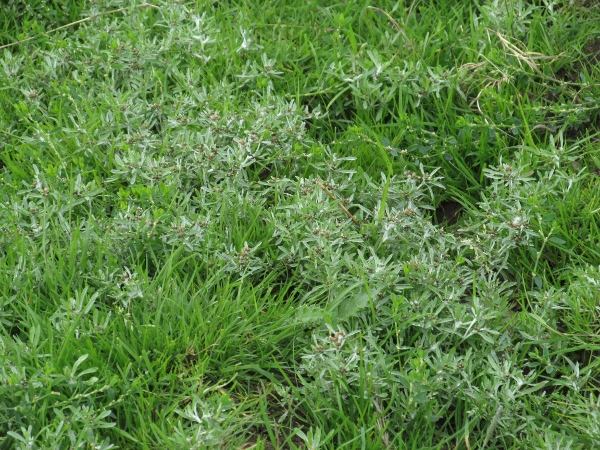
pixel 300 224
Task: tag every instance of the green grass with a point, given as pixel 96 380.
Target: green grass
pixel 300 224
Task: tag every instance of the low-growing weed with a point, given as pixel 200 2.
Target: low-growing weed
pixel 220 227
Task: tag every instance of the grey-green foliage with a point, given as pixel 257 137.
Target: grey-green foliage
pixel 160 151
pixel 446 295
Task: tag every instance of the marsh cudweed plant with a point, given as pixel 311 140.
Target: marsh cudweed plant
pixel 203 423
pixel 176 159
pixel 441 291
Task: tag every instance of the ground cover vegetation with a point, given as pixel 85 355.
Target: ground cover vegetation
pixel 300 224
